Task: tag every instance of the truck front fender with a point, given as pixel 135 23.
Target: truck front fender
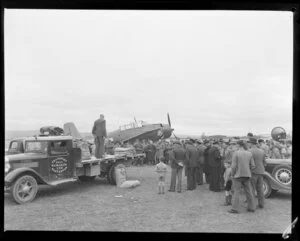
pixel 274 183
pixel 13 175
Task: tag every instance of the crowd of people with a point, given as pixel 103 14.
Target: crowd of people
pixel 232 165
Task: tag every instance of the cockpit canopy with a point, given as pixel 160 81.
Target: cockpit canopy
pixel 132 125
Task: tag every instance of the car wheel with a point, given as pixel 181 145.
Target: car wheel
pixel 267 188
pixel 283 174
pixel 24 189
pixel 86 178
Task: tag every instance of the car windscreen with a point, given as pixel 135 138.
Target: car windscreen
pixel 36 146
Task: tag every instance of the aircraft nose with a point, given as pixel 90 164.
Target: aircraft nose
pixel 167 132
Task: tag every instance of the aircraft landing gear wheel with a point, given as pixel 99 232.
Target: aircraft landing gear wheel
pixel 24 189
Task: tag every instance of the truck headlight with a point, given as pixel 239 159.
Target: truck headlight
pixel 7 165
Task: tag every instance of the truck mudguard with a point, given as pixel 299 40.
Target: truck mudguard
pixel 11 176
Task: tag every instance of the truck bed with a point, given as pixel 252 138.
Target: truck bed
pixel 111 157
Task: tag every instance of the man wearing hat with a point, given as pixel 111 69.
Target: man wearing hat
pixel 242 163
pixel 206 168
pixel 264 147
pixel 177 158
pixel 192 161
pixel 212 166
pixel 214 162
pixel 258 171
pixel 109 147
pixel 199 170
pixel 99 133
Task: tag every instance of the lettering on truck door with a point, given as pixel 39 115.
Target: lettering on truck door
pixel 59 161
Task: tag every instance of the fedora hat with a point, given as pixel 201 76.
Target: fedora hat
pixel 252 140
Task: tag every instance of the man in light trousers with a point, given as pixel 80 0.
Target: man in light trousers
pixel 257 173
pixel 177 158
pixel 241 165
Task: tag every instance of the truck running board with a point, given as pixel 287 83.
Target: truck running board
pixel 54 183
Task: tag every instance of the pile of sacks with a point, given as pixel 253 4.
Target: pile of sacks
pixel 85 150
pixel 125 151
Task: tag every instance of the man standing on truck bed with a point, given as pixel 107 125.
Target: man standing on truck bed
pixel 99 133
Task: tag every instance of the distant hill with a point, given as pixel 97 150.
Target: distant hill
pixel 15 134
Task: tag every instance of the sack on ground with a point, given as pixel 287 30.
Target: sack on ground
pixel 121 176
pixel 130 183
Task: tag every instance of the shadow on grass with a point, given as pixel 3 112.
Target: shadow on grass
pixel 281 195
pixel 63 189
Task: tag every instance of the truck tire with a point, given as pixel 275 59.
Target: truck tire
pixel 24 189
pixel 86 178
pixel 111 175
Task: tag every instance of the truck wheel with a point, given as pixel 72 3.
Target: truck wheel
pixel 86 178
pixel 24 189
pixel 111 175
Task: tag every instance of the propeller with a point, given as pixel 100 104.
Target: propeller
pixel 175 136
pixel 169 121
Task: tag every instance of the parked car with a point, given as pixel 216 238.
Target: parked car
pixel 278 176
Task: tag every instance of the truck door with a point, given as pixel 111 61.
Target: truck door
pixel 59 160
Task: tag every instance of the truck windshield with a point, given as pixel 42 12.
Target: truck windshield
pixel 36 146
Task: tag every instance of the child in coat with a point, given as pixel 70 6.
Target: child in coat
pixel 161 169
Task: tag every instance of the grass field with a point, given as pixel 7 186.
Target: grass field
pixel 98 206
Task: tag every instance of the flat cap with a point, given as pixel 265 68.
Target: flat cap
pixel 240 142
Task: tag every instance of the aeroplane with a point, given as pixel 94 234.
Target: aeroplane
pixel 142 131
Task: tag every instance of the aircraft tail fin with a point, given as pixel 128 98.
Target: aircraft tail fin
pixel 71 130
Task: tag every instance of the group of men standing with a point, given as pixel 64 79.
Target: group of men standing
pixel 206 159
pixel 198 158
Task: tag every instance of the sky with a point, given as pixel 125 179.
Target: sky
pixel 214 72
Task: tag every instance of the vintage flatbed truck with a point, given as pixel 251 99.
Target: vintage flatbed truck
pixel 53 160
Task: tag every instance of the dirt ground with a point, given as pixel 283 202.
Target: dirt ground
pixel 98 206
